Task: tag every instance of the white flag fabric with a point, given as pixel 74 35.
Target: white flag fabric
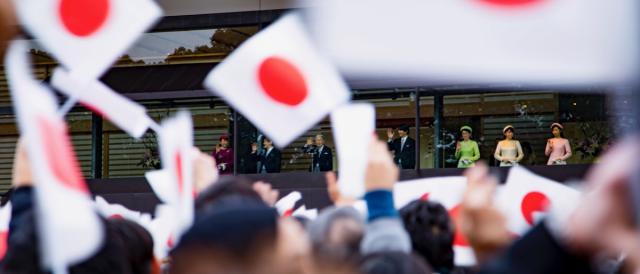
pixel 279 82
pixel 482 41
pixel 117 211
pixel 175 139
pixel 87 36
pixel 5 218
pixel 310 214
pixel 286 204
pixel 526 197
pixel 447 191
pixel 69 228
pixel 128 115
pixel 353 127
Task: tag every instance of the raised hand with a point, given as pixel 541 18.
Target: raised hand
pixel 254 147
pixel 390 133
pixel 266 192
pixel 381 173
pixel 309 141
pixel 205 171
pixel 484 225
pixel 22 175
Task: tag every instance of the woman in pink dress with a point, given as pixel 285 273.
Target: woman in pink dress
pixel 558 148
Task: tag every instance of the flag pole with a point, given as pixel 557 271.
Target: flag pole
pixel 68 105
pixel 60 269
pixel 155 126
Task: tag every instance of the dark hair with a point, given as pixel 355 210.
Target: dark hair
pixel 121 251
pixel 560 129
pixel 226 186
pixel 137 243
pixel 404 128
pixel 465 130
pixel 431 231
pixel 393 262
pixel 234 227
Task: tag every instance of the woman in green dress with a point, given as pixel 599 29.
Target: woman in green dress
pixel 467 151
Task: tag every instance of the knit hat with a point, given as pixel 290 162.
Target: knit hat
pixel 235 224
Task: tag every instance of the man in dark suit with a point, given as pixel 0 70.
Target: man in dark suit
pixel 322 156
pixel 404 147
pixel 269 158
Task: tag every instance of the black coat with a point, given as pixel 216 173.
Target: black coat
pixel 405 155
pixel 538 252
pixel 271 162
pixel 322 158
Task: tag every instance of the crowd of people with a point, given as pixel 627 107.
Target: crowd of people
pixel 238 230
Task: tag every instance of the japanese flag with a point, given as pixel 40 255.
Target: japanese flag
pixel 310 214
pixel 5 218
pixel 286 204
pixel 117 211
pixel 87 36
pixel 536 42
pixel 126 114
pixel 69 228
pixel 527 197
pixel 447 191
pixel 279 82
pixel 174 183
pixel 353 126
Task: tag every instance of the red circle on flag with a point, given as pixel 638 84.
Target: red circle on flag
pixel 282 81
pixel 511 3
pixel 534 202
pixel 84 17
pixel 458 239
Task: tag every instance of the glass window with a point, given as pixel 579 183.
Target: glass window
pixel 124 156
pixel 583 118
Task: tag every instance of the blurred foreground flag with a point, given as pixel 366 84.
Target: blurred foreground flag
pixel 87 36
pixel 126 114
pixel 526 198
pixel 5 219
pixel 279 82
pixel 69 229
pixel 353 128
pixel 479 41
pixel 174 183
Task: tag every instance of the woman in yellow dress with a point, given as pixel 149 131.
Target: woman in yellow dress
pixel 467 151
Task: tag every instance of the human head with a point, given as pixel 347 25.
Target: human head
pixel 239 235
pixel 336 234
pixel 431 232
pixel 403 130
pixel 224 187
pixel 267 143
pixel 466 132
pixel 319 140
pixel 556 130
pixel 224 141
pixel 508 132
pixel 127 248
pixel 393 262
